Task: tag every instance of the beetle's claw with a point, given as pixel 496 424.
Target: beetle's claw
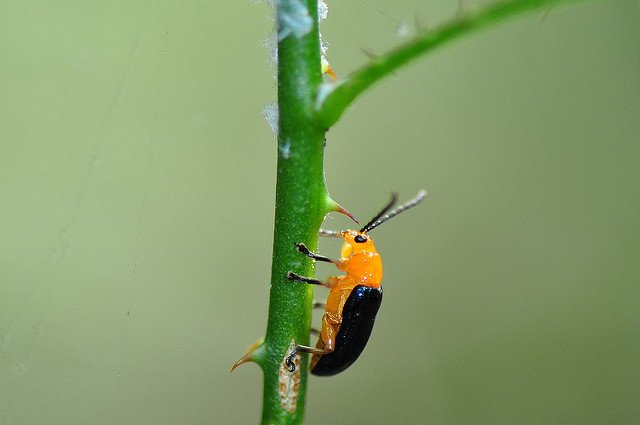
pixel 302 248
pixel 289 361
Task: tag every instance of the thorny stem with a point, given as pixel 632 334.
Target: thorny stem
pixel 301 196
pixel 301 204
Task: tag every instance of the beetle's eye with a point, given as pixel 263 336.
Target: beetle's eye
pixel 360 239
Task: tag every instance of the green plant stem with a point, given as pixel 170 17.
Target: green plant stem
pixel 301 204
pixel 301 197
pixel 334 99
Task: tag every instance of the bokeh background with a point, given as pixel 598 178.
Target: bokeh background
pixel 136 205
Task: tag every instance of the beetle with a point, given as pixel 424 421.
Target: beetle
pixel 354 298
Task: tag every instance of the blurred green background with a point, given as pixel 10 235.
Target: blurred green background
pixel 136 205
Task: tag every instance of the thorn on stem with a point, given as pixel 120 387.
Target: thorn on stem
pixel 251 354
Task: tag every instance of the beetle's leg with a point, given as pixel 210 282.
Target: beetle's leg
pixel 330 233
pixel 314 331
pixel 289 360
pixel 309 280
pixel 302 248
pixel 303 349
pixel 312 350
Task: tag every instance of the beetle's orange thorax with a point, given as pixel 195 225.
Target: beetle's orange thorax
pixel 360 260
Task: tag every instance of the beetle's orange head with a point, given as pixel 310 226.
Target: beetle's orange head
pixel 356 242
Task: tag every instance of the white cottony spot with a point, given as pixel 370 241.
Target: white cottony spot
pixel 295 20
pixel 323 10
pixel 270 113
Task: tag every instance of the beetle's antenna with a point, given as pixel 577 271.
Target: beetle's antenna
pixel 392 202
pixel 383 216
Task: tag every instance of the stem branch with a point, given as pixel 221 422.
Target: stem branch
pixel 333 99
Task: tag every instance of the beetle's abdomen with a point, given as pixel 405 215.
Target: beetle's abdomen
pixel 358 317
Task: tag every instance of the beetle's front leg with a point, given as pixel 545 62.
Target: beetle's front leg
pixel 302 248
pixel 330 233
